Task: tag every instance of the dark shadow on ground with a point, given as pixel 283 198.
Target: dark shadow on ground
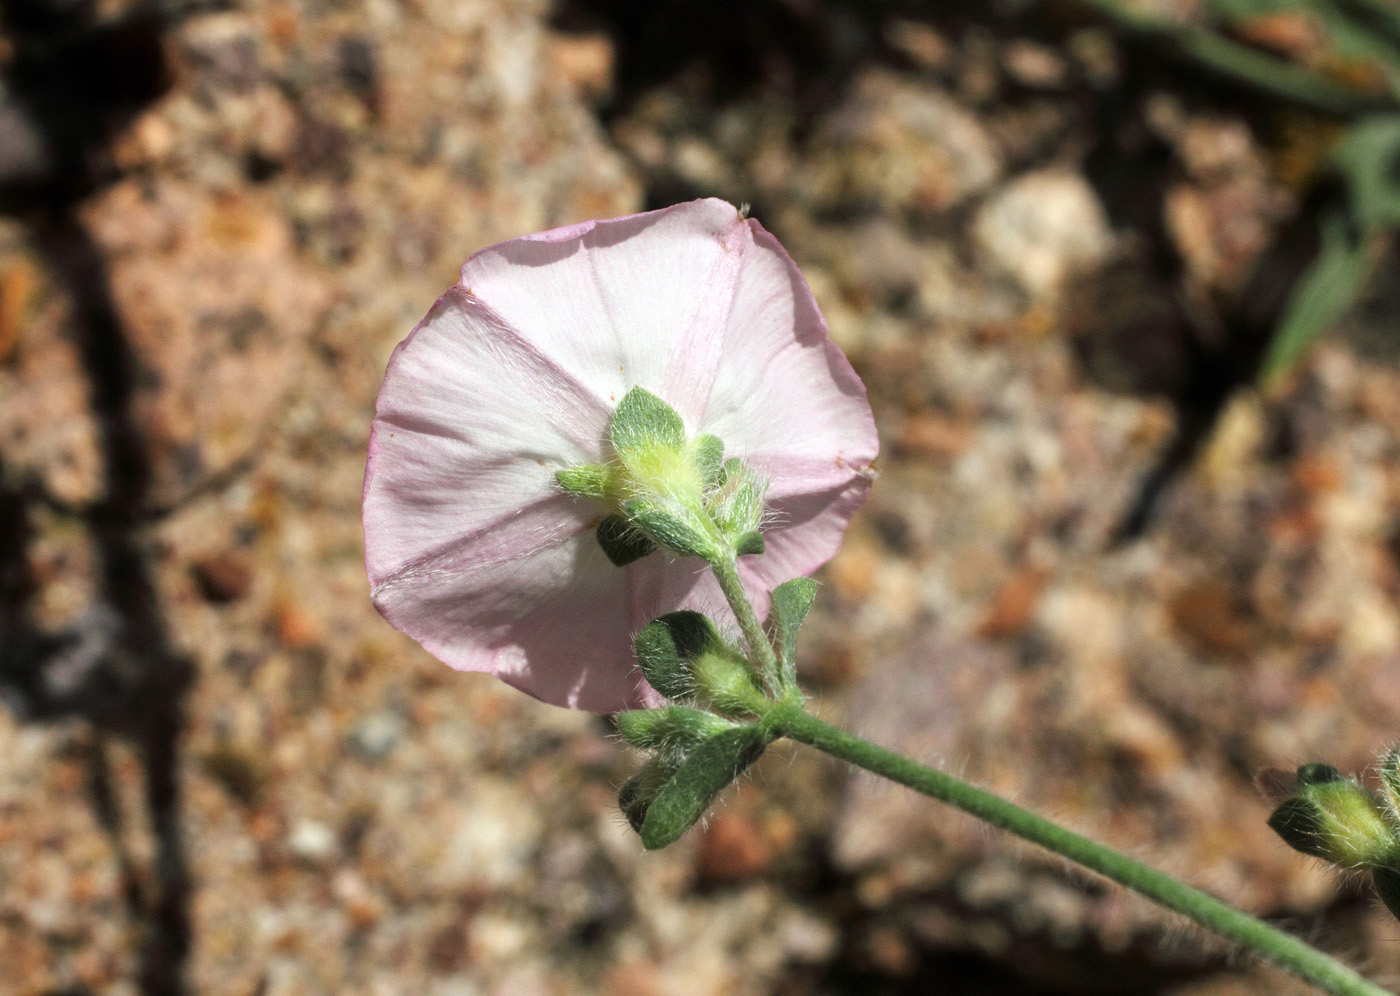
pixel 71 82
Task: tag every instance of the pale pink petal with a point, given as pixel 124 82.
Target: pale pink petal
pixel 782 388
pixel 472 424
pixel 530 602
pixel 617 302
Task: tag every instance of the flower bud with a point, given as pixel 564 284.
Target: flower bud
pixel 674 729
pixel 1335 818
pixel 668 648
pixel 684 658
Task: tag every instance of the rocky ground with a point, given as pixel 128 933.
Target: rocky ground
pixel 219 765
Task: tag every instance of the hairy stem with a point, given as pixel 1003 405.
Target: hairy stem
pixel 760 649
pixel 1284 950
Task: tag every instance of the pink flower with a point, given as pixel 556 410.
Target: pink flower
pixel 472 547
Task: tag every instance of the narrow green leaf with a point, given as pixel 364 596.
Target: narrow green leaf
pixel 673 526
pixel 588 481
pixel 705 772
pixel 1245 64
pixel 750 545
pixel 1328 288
pixel 792 600
pixel 637 793
pixel 1301 825
pixel 1318 774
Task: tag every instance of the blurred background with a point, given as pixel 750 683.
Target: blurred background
pixel 1137 534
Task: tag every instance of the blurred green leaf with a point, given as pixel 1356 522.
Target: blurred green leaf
pixel 1328 288
pixel 1246 64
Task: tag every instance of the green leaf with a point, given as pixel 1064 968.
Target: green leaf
pixel 621 541
pixel 668 647
pixel 792 600
pixel 705 772
pixel 637 793
pixel 1389 770
pixel 1328 288
pixel 643 422
pixel 1245 64
pixel 1318 774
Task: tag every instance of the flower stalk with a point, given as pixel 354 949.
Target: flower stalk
pixel 1269 943
pixel 782 714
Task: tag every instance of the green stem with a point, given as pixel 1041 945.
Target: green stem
pixel 1284 950
pixel 761 651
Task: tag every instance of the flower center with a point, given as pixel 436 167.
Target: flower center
pixel 664 489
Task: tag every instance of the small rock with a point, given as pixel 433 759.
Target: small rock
pixel 582 63
pixel 1042 227
pixel 1034 65
pixel 733 849
pixel 312 841
pixel 903 145
pixel 376 736
pixel 223 577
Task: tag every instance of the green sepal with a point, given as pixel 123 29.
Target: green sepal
pixel 1301 825
pixel 642 422
pixel 737 506
pixel 676 528
pixel 1387 883
pixel 674 729
pixel 749 545
pixel 792 600
pixel 704 773
pixel 668 648
pixel 707 451
pixel 622 542
pixel 591 480
pixel 1318 774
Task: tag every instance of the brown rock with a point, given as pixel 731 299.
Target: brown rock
pixel 223 577
pixel 1211 617
pixel 217 307
pixel 1013 606
pixel 733 848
